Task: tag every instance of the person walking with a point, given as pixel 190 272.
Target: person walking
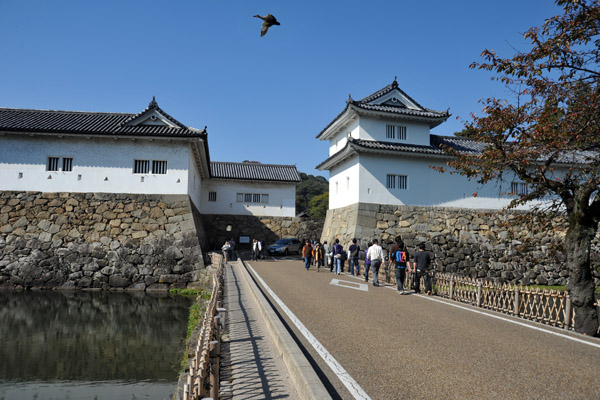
pixel 337 256
pixel 318 253
pixel 422 264
pixel 327 254
pixel 367 262
pixel 307 254
pixel 226 249
pixel 353 251
pixel 399 258
pixel 375 253
pixel 256 249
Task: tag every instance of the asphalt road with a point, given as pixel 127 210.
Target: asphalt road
pixel 420 347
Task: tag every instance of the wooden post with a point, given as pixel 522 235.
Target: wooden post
pixel 478 293
pixel 568 308
pixel 451 294
pixel 517 301
pixel 186 391
pixel 214 370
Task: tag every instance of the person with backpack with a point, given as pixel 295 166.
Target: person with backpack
pixel 338 251
pixel 353 251
pixel 399 258
pixel 421 264
pixel 318 253
pixel 375 254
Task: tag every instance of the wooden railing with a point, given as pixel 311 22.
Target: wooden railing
pixel 202 380
pixel 550 307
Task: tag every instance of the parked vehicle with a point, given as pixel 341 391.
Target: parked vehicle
pixel 285 246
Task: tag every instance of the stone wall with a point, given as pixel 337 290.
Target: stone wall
pixel 99 241
pixel 473 243
pixel 222 227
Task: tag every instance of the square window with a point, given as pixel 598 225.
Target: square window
pixel 212 196
pixel 247 197
pixel 391 181
pixel 52 164
pixel 141 166
pixel 240 197
pixel 67 164
pixel 159 167
pixel 256 198
pixel 264 198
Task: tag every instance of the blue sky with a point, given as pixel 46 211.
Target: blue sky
pixel 262 99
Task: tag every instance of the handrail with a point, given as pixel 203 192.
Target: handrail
pixel 549 307
pixel 202 380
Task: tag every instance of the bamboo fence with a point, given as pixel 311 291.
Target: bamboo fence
pixel 202 380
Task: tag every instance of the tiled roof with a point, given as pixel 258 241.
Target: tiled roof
pixel 254 172
pixel 436 148
pixel 427 113
pixel 386 90
pixel 400 110
pixel 90 123
pixel 354 145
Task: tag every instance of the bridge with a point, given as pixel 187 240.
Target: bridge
pixel 293 333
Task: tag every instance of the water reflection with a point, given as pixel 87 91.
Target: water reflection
pixel 87 341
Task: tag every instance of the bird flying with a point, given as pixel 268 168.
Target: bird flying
pixel 268 21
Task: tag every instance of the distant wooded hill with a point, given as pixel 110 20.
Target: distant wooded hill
pixel 312 196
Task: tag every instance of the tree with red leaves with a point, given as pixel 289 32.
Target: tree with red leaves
pixel 548 135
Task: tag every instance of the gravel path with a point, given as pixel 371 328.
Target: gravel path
pixel 412 347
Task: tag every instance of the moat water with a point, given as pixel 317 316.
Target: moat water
pixel 81 345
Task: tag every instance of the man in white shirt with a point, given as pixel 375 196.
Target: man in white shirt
pixel 375 254
pixel 256 249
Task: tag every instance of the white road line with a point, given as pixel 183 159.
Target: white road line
pixel 348 284
pixel 352 386
pixel 537 328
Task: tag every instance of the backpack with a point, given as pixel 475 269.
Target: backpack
pixel 400 256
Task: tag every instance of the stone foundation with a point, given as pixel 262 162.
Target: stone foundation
pixel 99 241
pixel 472 243
pixel 269 229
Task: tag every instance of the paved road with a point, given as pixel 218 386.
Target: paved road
pixel 416 346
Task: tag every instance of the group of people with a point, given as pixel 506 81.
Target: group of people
pixel 335 256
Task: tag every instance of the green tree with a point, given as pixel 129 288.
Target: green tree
pixel 553 119
pixel 319 205
pixel 310 186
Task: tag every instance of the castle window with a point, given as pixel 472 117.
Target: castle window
pixel 52 164
pixel 518 188
pixel 396 181
pixel 395 132
pixel 141 166
pixel 159 167
pixel 212 196
pixel 67 164
pixel 252 198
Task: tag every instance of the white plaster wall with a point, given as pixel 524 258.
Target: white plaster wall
pixel 194 182
pixel 99 165
pixel 425 186
pixel 375 129
pixel 345 183
pixel 337 142
pixel 282 198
